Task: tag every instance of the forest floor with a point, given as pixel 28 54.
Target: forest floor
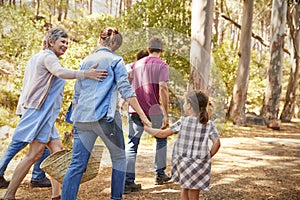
pixel 254 162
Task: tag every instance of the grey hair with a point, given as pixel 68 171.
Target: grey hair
pixel 55 33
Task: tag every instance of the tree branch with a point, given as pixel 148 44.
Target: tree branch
pixel 253 34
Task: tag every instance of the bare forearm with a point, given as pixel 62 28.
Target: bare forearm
pixel 159 132
pixel 215 148
pixel 164 97
pixel 136 106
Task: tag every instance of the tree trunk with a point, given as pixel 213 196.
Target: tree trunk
pixel 59 17
pixel 66 8
pixel 293 22
pixel 91 7
pixel 221 28
pixel 110 7
pixel 202 19
pixel 60 10
pixel 120 9
pixel 217 24
pixel 106 4
pixel 239 96
pixel 117 7
pixel 38 4
pixel 273 85
pixel 127 4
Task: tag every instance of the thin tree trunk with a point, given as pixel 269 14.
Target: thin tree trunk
pixel 221 25
pixel 239 96
pixel 66 8
pixel 120 9
pixel 117 7
pixel 270 107
pixel 217 25
pixel 202 19
pixel 91 7
pixel 38 4
pixel 107 6
pixel 110 7
pixel 128 4
pixel 60 10
pixel 293 22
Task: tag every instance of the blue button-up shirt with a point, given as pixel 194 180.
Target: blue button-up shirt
pixel 94 99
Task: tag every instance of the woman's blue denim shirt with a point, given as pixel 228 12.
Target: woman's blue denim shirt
pixel 95 99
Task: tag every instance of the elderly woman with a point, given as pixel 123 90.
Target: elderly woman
pixel 96 115
pixel 43 92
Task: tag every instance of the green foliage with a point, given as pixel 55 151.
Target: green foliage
pixel 7 108
pixel 226 61
pixel 224 74
pixel 170 20
pixel 20 37
pixel 256 88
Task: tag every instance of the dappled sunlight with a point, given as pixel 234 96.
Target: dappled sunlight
pixel 263 164
pixel 106 191
pixel 166 190
pixel 228 178
pixel 256 163
pixel 255 152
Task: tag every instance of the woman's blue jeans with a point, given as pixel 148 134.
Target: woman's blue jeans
pixel 136 130
pixel 13 148
pixel 85 135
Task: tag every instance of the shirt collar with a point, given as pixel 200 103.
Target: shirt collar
pixel 102 48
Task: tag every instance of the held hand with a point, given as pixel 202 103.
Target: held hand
pixel 149 130
pixel 165 123
pixel 95 74
pixel 146 121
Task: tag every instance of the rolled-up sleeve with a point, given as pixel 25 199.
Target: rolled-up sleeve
pixel 176 126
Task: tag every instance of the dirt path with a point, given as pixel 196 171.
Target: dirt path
pixel 253 163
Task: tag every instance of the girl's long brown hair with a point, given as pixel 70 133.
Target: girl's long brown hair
pixel 199 102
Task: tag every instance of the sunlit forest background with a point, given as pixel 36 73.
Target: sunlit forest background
pixel 24 23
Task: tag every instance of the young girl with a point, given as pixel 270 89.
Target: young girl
pixel 191 159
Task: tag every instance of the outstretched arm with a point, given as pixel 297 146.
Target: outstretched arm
pixel 164 100
pixel 54 67
pixel 160 133
pixel 136 106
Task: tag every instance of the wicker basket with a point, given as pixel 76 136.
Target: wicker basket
pixel 57 163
